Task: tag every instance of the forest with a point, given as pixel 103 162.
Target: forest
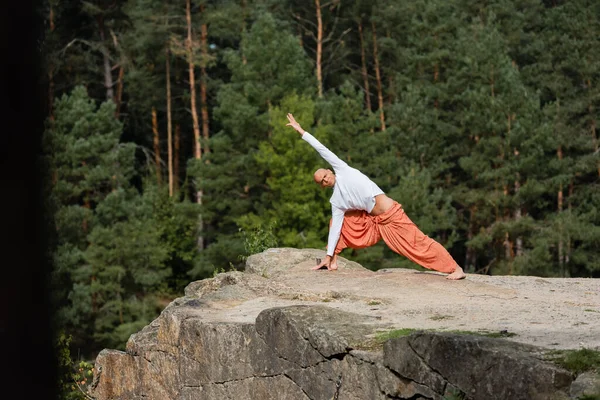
pixel 167 158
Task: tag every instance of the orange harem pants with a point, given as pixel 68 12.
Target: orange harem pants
pixel 361 229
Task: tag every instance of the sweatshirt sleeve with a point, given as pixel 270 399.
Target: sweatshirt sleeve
pixel 324 152
pixel 337 218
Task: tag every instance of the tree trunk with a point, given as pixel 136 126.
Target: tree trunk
pixel 436 75
pixel 51 73
pixel 156 141
pixel 51 19
pixel 119 96
pixel 560 208
pixel 244 15
pixel 470 258
pixel 203 82
pixel 176 158
pixel 118 296
pixel 593 128
pixel 51 91
pixel 391 88
pixel 363 62
pixel 378 76
pixel 595 144
pixel 518 215
pixel 300 32
pixel 518 211
pixel 197 147
pixel 169 122
pixel 568 250
pixel 508 245
pixel 108 81
pixel 190 56
pixel 94 295
pixel 319 46
pixel 88 206
pixel 492 81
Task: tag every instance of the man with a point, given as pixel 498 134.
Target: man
pixel 362 215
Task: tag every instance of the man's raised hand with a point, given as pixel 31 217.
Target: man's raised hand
pixel 294 124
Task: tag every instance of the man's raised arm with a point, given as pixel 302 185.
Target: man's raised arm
pixel 323 151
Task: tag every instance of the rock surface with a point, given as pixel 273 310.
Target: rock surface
pixel 281 331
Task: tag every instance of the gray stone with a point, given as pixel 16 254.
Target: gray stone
pixel 282 332
pixel 400 357
pixel 267 388
pixel 277 261
pixel 481 367
pixel 229 285
pixel 307 335
pixel 586 384
pixel 305 351
pixel 120 376
pixel 220 352
pixel 244 335
pixel 390 383
pixel 356 379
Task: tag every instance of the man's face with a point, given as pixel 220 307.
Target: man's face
pixel 324 178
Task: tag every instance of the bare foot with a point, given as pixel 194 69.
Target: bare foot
pixel 457 274
pixel 320 266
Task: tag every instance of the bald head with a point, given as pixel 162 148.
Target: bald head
pixel 324 177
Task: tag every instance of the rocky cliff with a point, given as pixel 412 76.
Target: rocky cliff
pixel 281 331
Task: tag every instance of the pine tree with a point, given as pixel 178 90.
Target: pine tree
pixel 127 257
pixel 268 66
pixel 88 163
pixel 115 248
pixel 296 206
pixel 564 69
pixel 498 113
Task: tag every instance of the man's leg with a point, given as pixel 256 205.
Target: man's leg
pixel 405 238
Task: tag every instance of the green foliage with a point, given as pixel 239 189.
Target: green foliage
pixel 118 251
pixel 257 238
pixel 73 378
pixel 500 334
pixel 89 166
pixel 577 361
pixel 177 224
pixel 589 397
pixel 86 156
pixel 491 140
pixel 268 66
pixel 64 367
pixel 454 394
pixel 376 341
pixel 383 336
pixel 299 206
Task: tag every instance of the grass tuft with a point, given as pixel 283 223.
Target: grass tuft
pixel 576 361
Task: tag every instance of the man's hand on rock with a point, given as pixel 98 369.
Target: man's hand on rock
pixel 328 263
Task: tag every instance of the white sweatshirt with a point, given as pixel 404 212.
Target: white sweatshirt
pixel 352 190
